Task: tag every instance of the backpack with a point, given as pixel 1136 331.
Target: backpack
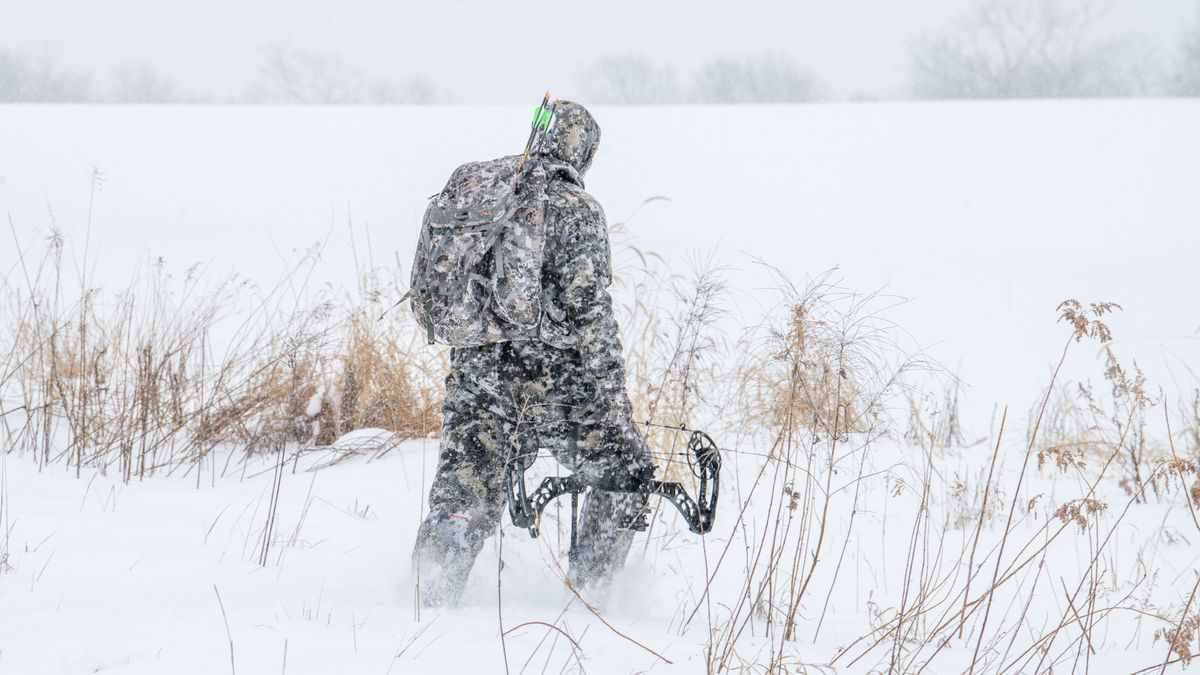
pixel 477 276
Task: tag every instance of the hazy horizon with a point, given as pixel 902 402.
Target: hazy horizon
pixel 473 51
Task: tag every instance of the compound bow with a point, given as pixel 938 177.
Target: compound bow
pixel 703 456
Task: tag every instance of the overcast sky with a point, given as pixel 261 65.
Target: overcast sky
pixel 504 52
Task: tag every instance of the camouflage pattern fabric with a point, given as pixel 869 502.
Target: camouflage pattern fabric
pixel 477 274
pixel 504 403
pixel 574 137
pixel 562 390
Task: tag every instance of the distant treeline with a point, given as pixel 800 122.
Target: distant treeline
pixel 994 49
pixel 284 75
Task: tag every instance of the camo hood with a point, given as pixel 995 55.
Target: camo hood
pixel 573 138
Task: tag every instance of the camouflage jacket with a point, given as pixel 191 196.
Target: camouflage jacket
pixel 576 275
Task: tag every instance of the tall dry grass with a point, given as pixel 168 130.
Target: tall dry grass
pixel 674 345
pixel 157 374
pixel 816 380
pixel 963 602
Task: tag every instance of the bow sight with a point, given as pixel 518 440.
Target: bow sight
pixel 703 457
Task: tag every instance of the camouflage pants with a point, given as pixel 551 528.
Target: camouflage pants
pixel 504 403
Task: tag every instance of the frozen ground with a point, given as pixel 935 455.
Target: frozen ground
pixel 987 215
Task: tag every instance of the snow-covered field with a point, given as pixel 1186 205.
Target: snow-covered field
pixel 986 215
pixel 125 579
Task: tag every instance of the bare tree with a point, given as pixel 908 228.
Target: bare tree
pixel 766 78
pixel 630 79
pixel 25 80
pixel 295 76
pixel 1029 48
pixel 1187 78
pixel 141 84
pixel 414 89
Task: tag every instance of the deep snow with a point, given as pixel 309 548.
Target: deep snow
pixel 120 579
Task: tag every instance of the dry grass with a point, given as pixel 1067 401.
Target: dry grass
pixel 820 379
pixel 1086 423
pixel 816 378
pixel 674 346
pixel 158 374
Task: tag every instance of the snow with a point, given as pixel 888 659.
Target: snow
pixel 125 579
pixel 313 407
pixel 365 438
pixel 985 214
pixel 120 578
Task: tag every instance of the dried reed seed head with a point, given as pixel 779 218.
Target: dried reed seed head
pixel 1073 312
pixel 793 497
pixel 1064 457
pixel 1179 467
pixel 1179 637
pixel 959 489
pixel 1132 390
pixel 1078 510
pixel 799 330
